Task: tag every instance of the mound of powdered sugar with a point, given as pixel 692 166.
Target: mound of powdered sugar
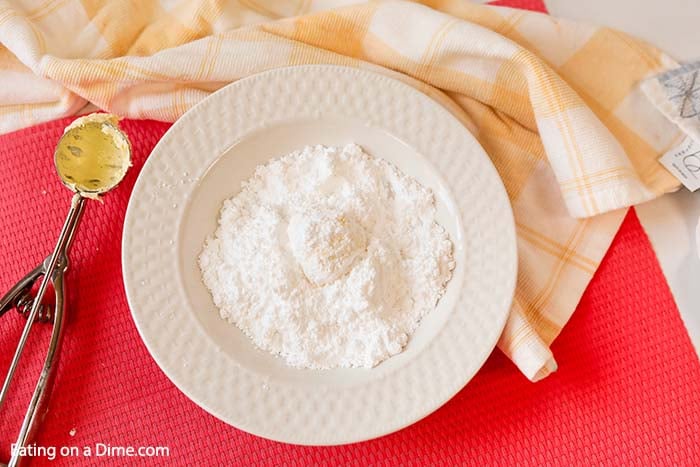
pixel 328 257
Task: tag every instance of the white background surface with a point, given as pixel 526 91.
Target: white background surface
pixel 671 25
pixel 674 26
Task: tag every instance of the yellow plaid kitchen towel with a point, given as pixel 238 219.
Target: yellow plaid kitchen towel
pixel 556 104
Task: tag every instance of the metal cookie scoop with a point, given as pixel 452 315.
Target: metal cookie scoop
pixel 92 157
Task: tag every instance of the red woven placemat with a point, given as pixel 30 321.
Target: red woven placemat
pixel 628 387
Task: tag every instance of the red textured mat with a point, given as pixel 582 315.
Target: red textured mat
pixel 628 387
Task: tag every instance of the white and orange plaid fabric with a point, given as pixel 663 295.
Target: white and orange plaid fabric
pixel 556 104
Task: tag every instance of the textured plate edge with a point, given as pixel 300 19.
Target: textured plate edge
pixel 379 432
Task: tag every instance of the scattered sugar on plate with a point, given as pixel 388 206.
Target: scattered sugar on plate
pixel 328 257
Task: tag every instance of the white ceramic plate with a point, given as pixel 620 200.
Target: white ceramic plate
pixel 201 161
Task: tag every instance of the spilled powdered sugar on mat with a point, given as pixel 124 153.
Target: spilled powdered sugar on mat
pixel 328 257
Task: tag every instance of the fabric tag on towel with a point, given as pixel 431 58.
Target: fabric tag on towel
pixel 683 162
pixel 676 93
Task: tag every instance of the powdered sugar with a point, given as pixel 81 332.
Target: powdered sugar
pixel 328 257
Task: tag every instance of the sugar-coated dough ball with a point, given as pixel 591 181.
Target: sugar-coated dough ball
pixel 325 243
